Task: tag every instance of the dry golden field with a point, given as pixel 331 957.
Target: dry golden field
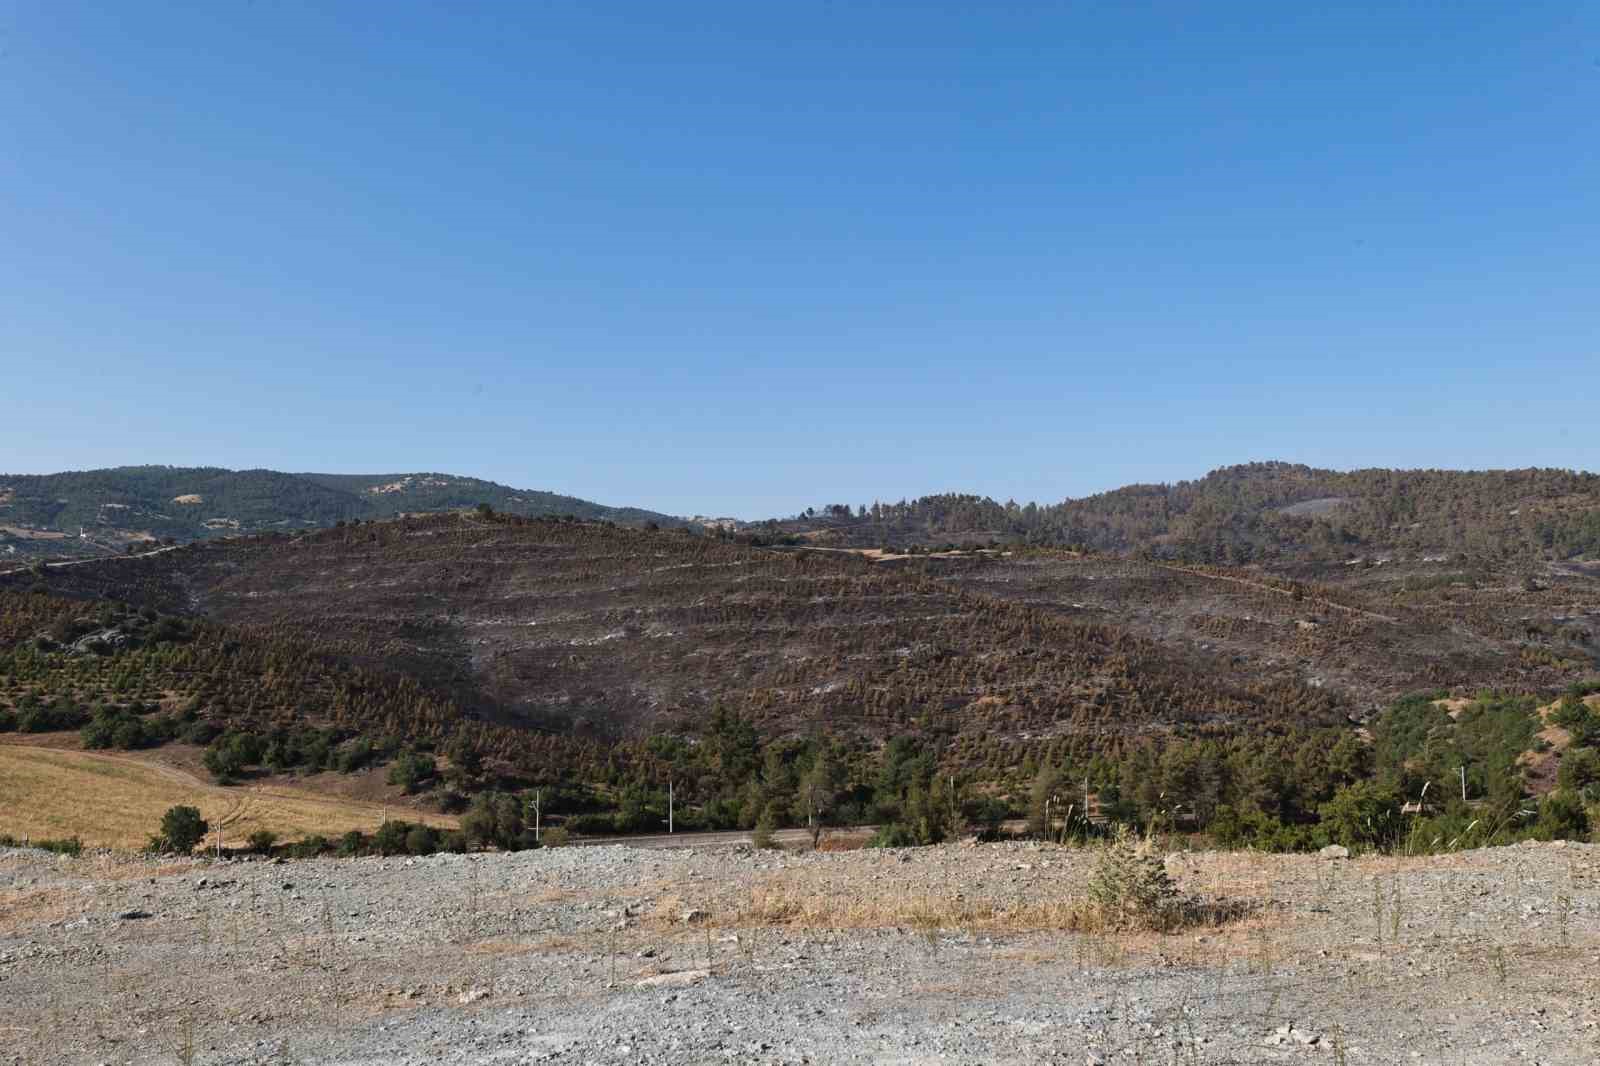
pixel 118 800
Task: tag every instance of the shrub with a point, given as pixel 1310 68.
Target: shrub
pixel 1130 888
pixel 590 824
pixel 1580 768
pixel 261 841
pixel 455 841
pixel 115 727
pixel 1367 812
pixel 181 829
pixel 201 732
pixel 231 753
pixel 62 846
pixel 311 847
pixel 412 770
pixel 494 820
pixel 1562 817
pixel 422 840
pixel 1576 717
pixel 51 718
pixel 354 755
pixel 893 835
pixel 65 846
pixel 556 836
pixel 390 839
pixel 761 835
pixel 352 843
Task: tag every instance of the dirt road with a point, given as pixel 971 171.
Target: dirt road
pixel 84 562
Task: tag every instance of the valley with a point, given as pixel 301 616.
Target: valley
pixel 774 680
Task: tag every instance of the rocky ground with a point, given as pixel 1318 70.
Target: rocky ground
pixel 618 955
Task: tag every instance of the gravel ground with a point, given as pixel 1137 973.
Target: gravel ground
pixel 620 955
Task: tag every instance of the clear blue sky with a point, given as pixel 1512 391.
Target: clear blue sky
pixel 747 257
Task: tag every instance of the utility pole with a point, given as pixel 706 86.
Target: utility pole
pixel 1463 784
pixel 1085 799
pixel 538 795
pixel 669 805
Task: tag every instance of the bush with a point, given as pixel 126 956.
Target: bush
pixel 495 820
pixel 230 754
pixel 354 755
pixel 115 727
pixel 352 843
pixel 62 846
pixel 261 841
pixel 390 839
pixel 1367 812
pixel 411 771
pixel 1130 888
pixel 310 847
pixel 181 829
pixel 64 714
pixel 1580 768
pixel 590 824
pixel 893 835
pixel 422 840
pixel 761 835
pixel 1562 816
pixel 65 846
pixel 201 732
pixel 556 837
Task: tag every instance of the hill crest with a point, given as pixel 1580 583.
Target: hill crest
pixel 116 509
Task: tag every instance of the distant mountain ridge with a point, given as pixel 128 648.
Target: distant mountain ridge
pixel 1256 512
pixel 1249 513
pixel 95 511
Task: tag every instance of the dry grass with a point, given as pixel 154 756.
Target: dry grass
pixel 118 801
pixel 506 947
pixel 788 902
pixel 843 841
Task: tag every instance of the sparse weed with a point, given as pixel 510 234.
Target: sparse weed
pixel 1396 910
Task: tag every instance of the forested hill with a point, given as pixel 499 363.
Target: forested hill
pixel 113 508
pixel 1262 511
pixel 1257 512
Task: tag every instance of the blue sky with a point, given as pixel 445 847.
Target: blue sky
pixel 742 258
